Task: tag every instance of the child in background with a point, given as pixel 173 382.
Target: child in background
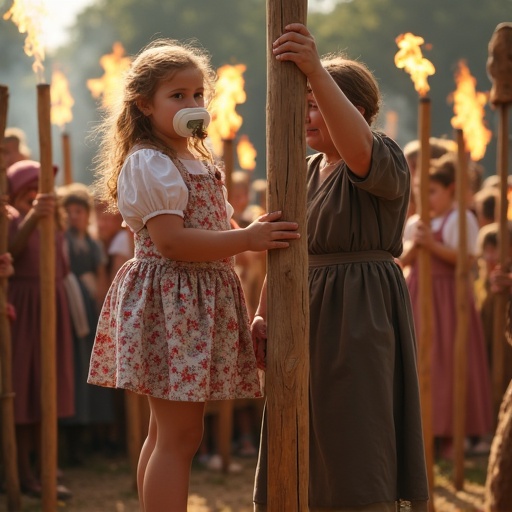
pixel 174 325
pixel 486 200
pixel 93 405
pixel 438 147
pixel 14 147
pixel 440 238
pixel 490 280
pixel 239 196
pixel 25 296
pixel 117 241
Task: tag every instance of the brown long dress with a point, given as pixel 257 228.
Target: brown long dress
pixel 366 443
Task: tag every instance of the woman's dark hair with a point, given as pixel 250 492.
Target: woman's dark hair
pixel 357 83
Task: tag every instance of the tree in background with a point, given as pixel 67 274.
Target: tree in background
pixel 235 32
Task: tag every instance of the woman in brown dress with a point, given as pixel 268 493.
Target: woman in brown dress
pixel 366 444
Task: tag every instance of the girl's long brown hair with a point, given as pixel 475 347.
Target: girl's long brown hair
pixel 124 125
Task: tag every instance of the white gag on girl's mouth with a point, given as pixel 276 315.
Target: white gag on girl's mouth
pixel 188 122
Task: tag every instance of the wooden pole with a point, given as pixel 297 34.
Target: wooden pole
pixel 288 297
pixel 228 157
pixel 66 157
pixel 48 313
pixel 425 299
pixel 501 299
pixel 10 456
pixel 462 329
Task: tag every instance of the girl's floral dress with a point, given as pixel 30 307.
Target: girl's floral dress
pixel 173 329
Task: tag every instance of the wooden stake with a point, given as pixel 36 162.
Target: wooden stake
pixel 66 156
pixel 462 329
pixel 288 295
pixel 425 299
pixel 48 313
pixel 501 299
pixel 228 157
pixel 9 452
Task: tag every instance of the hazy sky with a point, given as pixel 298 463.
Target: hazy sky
pixel 62 13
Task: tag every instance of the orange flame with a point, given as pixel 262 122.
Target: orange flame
pixel 246 154
pixel 28 16
pixel 468 107
pixel 410 58
pixel 110 85
pixel 229 92
pixel 62 101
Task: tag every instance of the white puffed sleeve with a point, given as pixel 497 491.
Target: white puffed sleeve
pixel 149 185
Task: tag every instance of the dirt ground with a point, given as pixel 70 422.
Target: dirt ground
pixel 105 485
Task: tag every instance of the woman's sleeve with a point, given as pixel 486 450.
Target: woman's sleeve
pixel 389 175
pixel 149 185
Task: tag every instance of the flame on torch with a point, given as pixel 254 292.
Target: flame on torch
pixel 29 16
pixel 246 154
pixel 410 58
pixel 62 101
pixel 229 91
pixel 468 107
pixel 109 86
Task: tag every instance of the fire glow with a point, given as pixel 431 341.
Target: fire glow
pixel 109 86
pixel 229 91
pixel 28 16
pixel 62 101
pixel 410 58
pixel 246 153
pixel 468 107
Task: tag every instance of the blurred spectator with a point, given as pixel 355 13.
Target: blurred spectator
pixel 87 260
pixel 25 296
pixel 15 146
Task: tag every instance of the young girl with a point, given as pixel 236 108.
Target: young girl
pixel 440 238
pixel 366 447
pixel 174 324
pixel 25 296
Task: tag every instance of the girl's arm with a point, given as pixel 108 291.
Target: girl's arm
pixel 44 205
pixel 348 129
pixel 174 241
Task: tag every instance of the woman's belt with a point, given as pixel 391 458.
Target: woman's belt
pixel 339 258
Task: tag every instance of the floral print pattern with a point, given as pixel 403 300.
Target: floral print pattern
pixel 178 330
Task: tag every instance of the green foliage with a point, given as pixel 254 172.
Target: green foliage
pixel 235 32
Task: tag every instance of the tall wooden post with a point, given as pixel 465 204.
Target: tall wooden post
pixel 501 299
pixel 228 157
pixel 288 301
pixel 425 299
pixel 9 452
pixel 462 329
pixel 48 313
pixel 500 72
pixel 66 159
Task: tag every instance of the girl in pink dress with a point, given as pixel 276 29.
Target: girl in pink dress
pixel 174 324
pixel 25 243
pixel 440 238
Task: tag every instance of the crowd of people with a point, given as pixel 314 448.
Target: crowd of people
pixel 163 259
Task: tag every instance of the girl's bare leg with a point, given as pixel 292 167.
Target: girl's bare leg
pixel 179 427
pixel 145 454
